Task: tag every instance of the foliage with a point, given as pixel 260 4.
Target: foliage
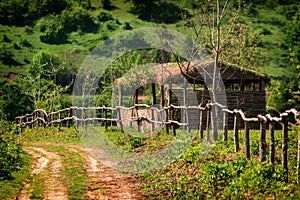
pixel 104 16
pixel 293 42
pixel 51 31
pixel 281 97
pixel 12 12
pixel 11 156
pixel 50 134
pixel 222 174
pixel 40 8
pixel 11 188
pixel 158 11
pixel 13 101
pixel 44 83
pixel 106 4
pixel 77 19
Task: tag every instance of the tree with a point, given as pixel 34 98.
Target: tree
pixel 41 84
pixel 13 101
pixel 293 42
pixel 219 28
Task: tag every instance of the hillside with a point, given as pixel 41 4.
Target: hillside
pixel 20 43
pixel 47 42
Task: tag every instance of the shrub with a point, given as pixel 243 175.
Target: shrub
pixel 104 16
pixel 13 101
pixel 127 26
pixel 51 31
pixel 11 154
pixel 77 19
pixel 24 43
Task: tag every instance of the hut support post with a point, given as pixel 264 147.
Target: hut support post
pixel 162 95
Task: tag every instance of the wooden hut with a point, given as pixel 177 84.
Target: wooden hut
pixel 190 84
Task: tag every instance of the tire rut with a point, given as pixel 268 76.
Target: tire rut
pixel 39 164
pixel 54 188
pixel 105 182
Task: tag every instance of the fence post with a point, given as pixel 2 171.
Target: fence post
pixel 214 124
pixel 262 140
pixel 272 141
pixel 152 118
pixel 208 120
pixel 285 145
pixel 225 131
pixel 20 123
pixel 298 158
pixel 236 132
pixel 167 119
pixel 187 120
pixel 59 119
pixel 105 116
pixel 201 125
pixel 120 119
pixel 69 115
pixel 172 118
pixel 247 140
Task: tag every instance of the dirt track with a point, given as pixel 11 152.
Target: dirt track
pixel 103 182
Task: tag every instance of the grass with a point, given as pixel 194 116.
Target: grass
pixel 74 174
pixel 223 174
pixel 269 22
pixel 201 171
pixel 50 134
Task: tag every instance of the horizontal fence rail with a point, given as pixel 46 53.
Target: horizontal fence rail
pixel 165 117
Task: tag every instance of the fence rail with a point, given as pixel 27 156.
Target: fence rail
pixel 166 117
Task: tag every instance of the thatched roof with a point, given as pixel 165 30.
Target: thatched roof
pixel 195 73
pixel 200 71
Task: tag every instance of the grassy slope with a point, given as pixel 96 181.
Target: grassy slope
pixel 79 45
pixel 269 23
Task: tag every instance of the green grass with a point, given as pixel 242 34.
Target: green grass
pixel 74 174
pixel 50 134
pixel 202 171
pixel 269 22
pixel 223 174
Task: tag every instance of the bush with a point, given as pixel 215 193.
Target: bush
pixel 104 16
pixel 77 19
pixel 11 154
pixel 13 101
pixel 51 31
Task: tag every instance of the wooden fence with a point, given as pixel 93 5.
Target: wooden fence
pixel 166 117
